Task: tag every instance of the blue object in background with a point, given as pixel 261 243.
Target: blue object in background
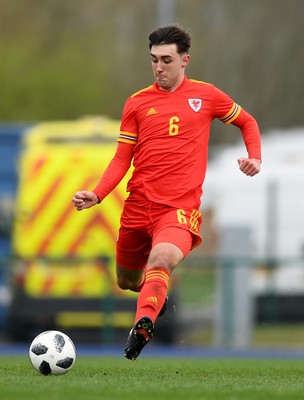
pixel 10 147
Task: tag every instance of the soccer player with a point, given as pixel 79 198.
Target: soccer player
pixel 164 131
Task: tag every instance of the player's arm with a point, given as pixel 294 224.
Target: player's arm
pixel 113 174
pixel 230 112
pixel 251 135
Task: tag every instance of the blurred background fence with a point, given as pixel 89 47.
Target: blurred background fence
pixel 61 61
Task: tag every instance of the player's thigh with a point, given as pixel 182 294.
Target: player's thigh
pixel 132 249
pixel 179 227
pixel 173 242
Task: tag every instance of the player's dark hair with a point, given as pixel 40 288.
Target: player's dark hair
pixel 171 34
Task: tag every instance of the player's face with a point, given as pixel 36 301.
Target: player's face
pixel 168 66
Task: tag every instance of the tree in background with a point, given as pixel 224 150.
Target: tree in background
pixel 62 60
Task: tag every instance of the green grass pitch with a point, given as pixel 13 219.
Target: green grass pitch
pixel 155 378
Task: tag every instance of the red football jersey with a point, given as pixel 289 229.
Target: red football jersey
pixel 170 132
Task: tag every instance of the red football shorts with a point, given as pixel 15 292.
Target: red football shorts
pixel 145 224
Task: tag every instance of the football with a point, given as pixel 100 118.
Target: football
pixel 52 352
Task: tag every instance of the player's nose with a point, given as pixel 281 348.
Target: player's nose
pixel 159 66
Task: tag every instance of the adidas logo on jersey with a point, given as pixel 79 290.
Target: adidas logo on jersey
pixel 151 111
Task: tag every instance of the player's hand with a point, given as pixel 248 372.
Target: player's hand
pixel 249 166
pixel 84 199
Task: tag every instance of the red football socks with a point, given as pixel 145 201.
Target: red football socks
pixel 153 294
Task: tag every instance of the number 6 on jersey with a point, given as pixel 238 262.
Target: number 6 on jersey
pixel 173 127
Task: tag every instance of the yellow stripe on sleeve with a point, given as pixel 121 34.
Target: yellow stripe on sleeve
pixel 232 114
pixel 127 137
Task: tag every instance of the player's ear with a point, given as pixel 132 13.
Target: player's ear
pixel 185 60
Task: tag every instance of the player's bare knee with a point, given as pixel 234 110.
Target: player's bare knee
pixel 161 262
pixel 165 255
pixel 128 279
pixel 122 283
pixel 125 283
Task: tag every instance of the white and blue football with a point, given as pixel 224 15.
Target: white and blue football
pixel 52 352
